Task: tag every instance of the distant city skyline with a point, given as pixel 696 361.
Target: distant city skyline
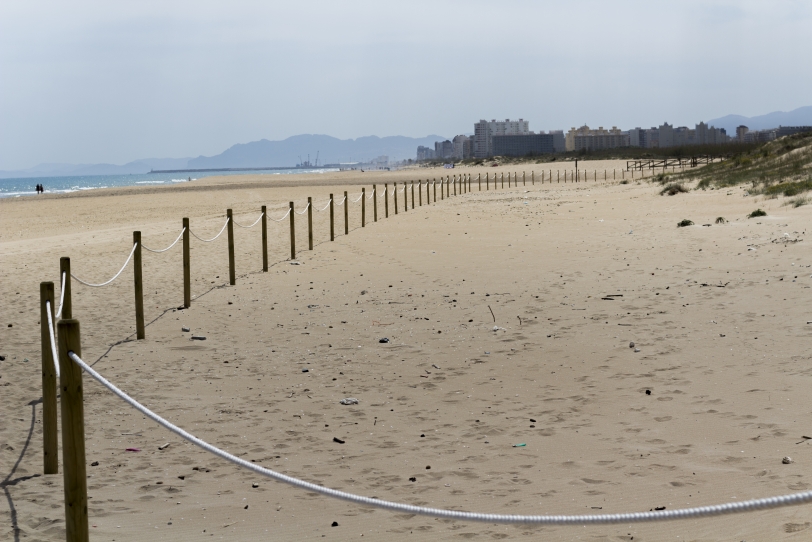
pixel 93 81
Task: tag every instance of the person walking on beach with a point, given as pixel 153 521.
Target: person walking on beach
pixel 38 190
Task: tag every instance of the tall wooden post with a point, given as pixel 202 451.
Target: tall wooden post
pixel 503 179
pixel 395 192
pixel 346 214
pixel 64 271
pixel 139 287
pixel 420 192
pixel 442 189
pixel 332 218
pixel 487 180
pixel 73 433
pixel 232 272
pixel 405 197
pixel 363 207
pixel 50 442
pixel 374 203
pixel 524 180
pixel 479 181
pixel 434 188
pixel 309 223
pixel 264 219
pixel 187 265
pixel 386 200
pixel 412 195
pixel 454 183
pixel 292 232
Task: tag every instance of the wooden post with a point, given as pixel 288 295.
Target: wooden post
pixel 419 192
pixel 386 200
pixel 412 195
pixel 232 272
pixel 265 238
pixel 405 197
pixel 503 179
pixel 50 439
pixel 363 207
pixel 332 220
pixel 64 270
pixel 187 266
pixel 374 203
pixel 524 179
pixel 479 181
pixel 395 192
pixel 309 223
pixel 139 287
pixel 292 232
pixel 442 189
pixel 454 183
pixel 73 433
pixel 532 177
pixel 434 187
pixel 487 180
pixel 346 214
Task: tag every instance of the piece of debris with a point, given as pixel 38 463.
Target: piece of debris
pixel 631 345
pixel 305 370
pixel 636 349
pixel 349 401
pixel 198 337
pixel 255 485
pixel 334 524
pixel 383 340
pixel 338 440
pixel 164 447
pixel 94 464
pixel 648 392
pixel 520 445
pixel 185 329
pixel 787 460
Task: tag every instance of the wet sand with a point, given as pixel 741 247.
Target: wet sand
pixel 509 316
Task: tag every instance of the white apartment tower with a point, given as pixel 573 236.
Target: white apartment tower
pixel 485 130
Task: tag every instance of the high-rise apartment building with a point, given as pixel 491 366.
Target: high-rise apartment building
pixel 585 139
pixel 462 147
pixel 443 149
pixel 485 130
pixel 424 153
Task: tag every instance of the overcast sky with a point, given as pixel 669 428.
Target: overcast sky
pixel 98 81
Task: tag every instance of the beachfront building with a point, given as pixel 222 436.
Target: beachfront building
pixel 584 138
pixel 424 153
pixel 523 145
pixel 443 149
pixel 485 130
pixel 462 147
pixel 740 133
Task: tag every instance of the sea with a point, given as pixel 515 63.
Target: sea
pixel 15 188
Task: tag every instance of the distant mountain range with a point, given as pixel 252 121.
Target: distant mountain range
pixel 797 117
pixel 263 153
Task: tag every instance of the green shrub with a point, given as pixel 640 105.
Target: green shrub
pixel 756 213
pixel 673 189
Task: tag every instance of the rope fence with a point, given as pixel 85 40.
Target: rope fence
pixel 62 361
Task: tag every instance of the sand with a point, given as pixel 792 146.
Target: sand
pixel 568 274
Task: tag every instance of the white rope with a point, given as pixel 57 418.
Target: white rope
pixel 61 297
pixel 167 248
pixel 591 519
pixel 252 225
pixel 342 201
pixel 53 342
pixel 213 238
pixel 359 198
pixel 325 207
pixel 371 195
pixel 303 210
pixel 112 279
pixel 283 218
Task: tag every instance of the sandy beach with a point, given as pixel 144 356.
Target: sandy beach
pixel 509 315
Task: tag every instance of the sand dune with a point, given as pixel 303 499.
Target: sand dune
pixel 509 316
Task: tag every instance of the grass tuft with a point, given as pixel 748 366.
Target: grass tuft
pixel 673 189
pixel 720 220
pixel 685 222
pixel 756 213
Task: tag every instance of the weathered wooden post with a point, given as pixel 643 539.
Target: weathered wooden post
pixel 346 214
pixel 374 203
pixel 412 195
pixel 479 181
pixel 264 221
pixel 524 180
pixel 310 223
pixel 50 442
pixel 332 220
pixel 139 287
pixel 395 192
pixel 419 192
pixel 292 214
pixel 64 275
pixel 434 188
pixel 487 180
pixel 386 200
pixel 363 207
pixel 187 265
pixel 454 184
pixel 532 178
pixel 73 433
pixel 503 179
pixel 232 272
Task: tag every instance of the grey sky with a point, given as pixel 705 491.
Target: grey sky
pixel 99 81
